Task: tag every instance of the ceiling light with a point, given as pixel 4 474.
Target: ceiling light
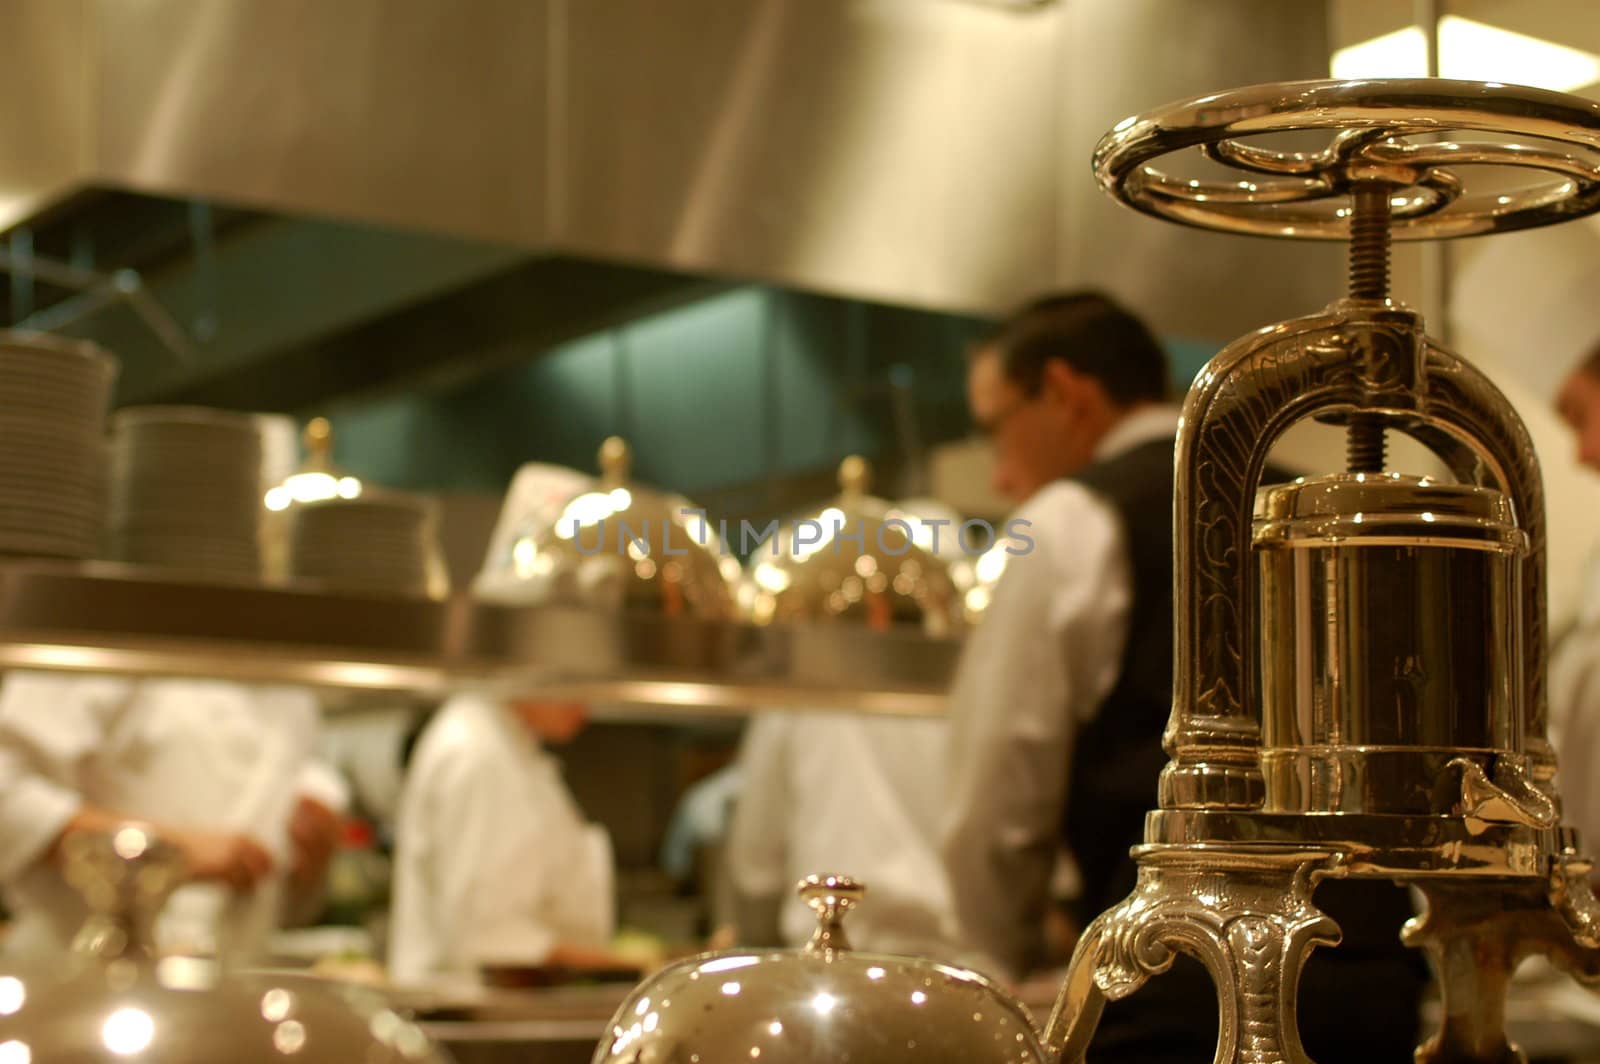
pixel 1401 54
pixel 1473 51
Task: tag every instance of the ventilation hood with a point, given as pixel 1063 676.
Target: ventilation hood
pixel 928 153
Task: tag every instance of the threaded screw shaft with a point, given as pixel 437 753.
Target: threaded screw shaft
pixel 1369 242
pixel 1365 448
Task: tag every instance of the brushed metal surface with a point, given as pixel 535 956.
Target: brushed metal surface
pixel 920 153
pixel 44 120
pixel 1121 59
pixel 892 149
pixel 408 112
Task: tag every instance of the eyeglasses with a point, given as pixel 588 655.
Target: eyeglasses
pixel 995 425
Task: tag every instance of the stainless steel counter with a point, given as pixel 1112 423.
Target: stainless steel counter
pixel 529 1042
pixel 111 618
pixel 557 1025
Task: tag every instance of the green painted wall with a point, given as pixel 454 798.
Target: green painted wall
pixel 747 385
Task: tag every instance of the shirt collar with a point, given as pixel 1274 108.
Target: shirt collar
pixel 1157 421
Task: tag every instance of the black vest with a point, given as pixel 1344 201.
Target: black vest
pixel 1117 756
pixel 1112 785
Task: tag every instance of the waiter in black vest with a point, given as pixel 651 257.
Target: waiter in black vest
pixel 1065 687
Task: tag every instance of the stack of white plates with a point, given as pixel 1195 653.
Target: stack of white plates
pixel 53 396
pixel 378 541
pixel 186 489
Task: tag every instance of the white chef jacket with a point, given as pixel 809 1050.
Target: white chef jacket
pixel 538 495
pixel 1048 651
pixel 1575 713
pixel 848 794
pixel 199 754
pixel 494 862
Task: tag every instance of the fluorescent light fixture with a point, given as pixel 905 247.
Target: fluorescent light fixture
pixel 1401 54
pixel 1471 50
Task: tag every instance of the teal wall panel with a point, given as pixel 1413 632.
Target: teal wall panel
pixel 742 388
pixel 554 407
pixel 811 352
pixel 692 384
pixel 1188 358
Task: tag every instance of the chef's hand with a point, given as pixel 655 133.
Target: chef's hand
pixel 313 832
pixel 229 857
pixel 223 856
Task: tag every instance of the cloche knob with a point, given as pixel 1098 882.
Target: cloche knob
pixel 831 897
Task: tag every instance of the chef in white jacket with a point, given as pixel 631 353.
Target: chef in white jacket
pixel 1528 305
pixel 494 861
pixel 828 792
pixel 854 794
pixel 223 771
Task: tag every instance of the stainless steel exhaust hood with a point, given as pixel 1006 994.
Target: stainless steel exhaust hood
pixel 919 152
pixel 925 153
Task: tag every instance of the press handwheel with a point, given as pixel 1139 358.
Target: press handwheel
pixel 1385 134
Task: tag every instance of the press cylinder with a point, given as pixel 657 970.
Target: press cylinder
pixel 1389 640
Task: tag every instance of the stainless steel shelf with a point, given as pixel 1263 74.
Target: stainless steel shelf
pixel 109 618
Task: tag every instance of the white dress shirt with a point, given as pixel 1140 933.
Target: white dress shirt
pixel 853 795
pixel 208 755
pixel 494 862
pixel 1047 652
pixel 1575 712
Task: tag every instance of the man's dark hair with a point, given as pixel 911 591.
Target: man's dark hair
pixel 1591 362
pixel 1090 333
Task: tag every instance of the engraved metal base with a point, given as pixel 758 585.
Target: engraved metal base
pixel 1475 934
pixel 1245 913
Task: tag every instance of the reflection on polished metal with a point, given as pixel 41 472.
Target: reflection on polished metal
pixel 1475 939
pixel 317 478
pixel 117 999
pixel 1360 662
pixel 1303 194
pixel 1353 718
pixel 858 560
pixel 1247 915
pixel 102 617
pixel 818 1003
pixel 623 546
